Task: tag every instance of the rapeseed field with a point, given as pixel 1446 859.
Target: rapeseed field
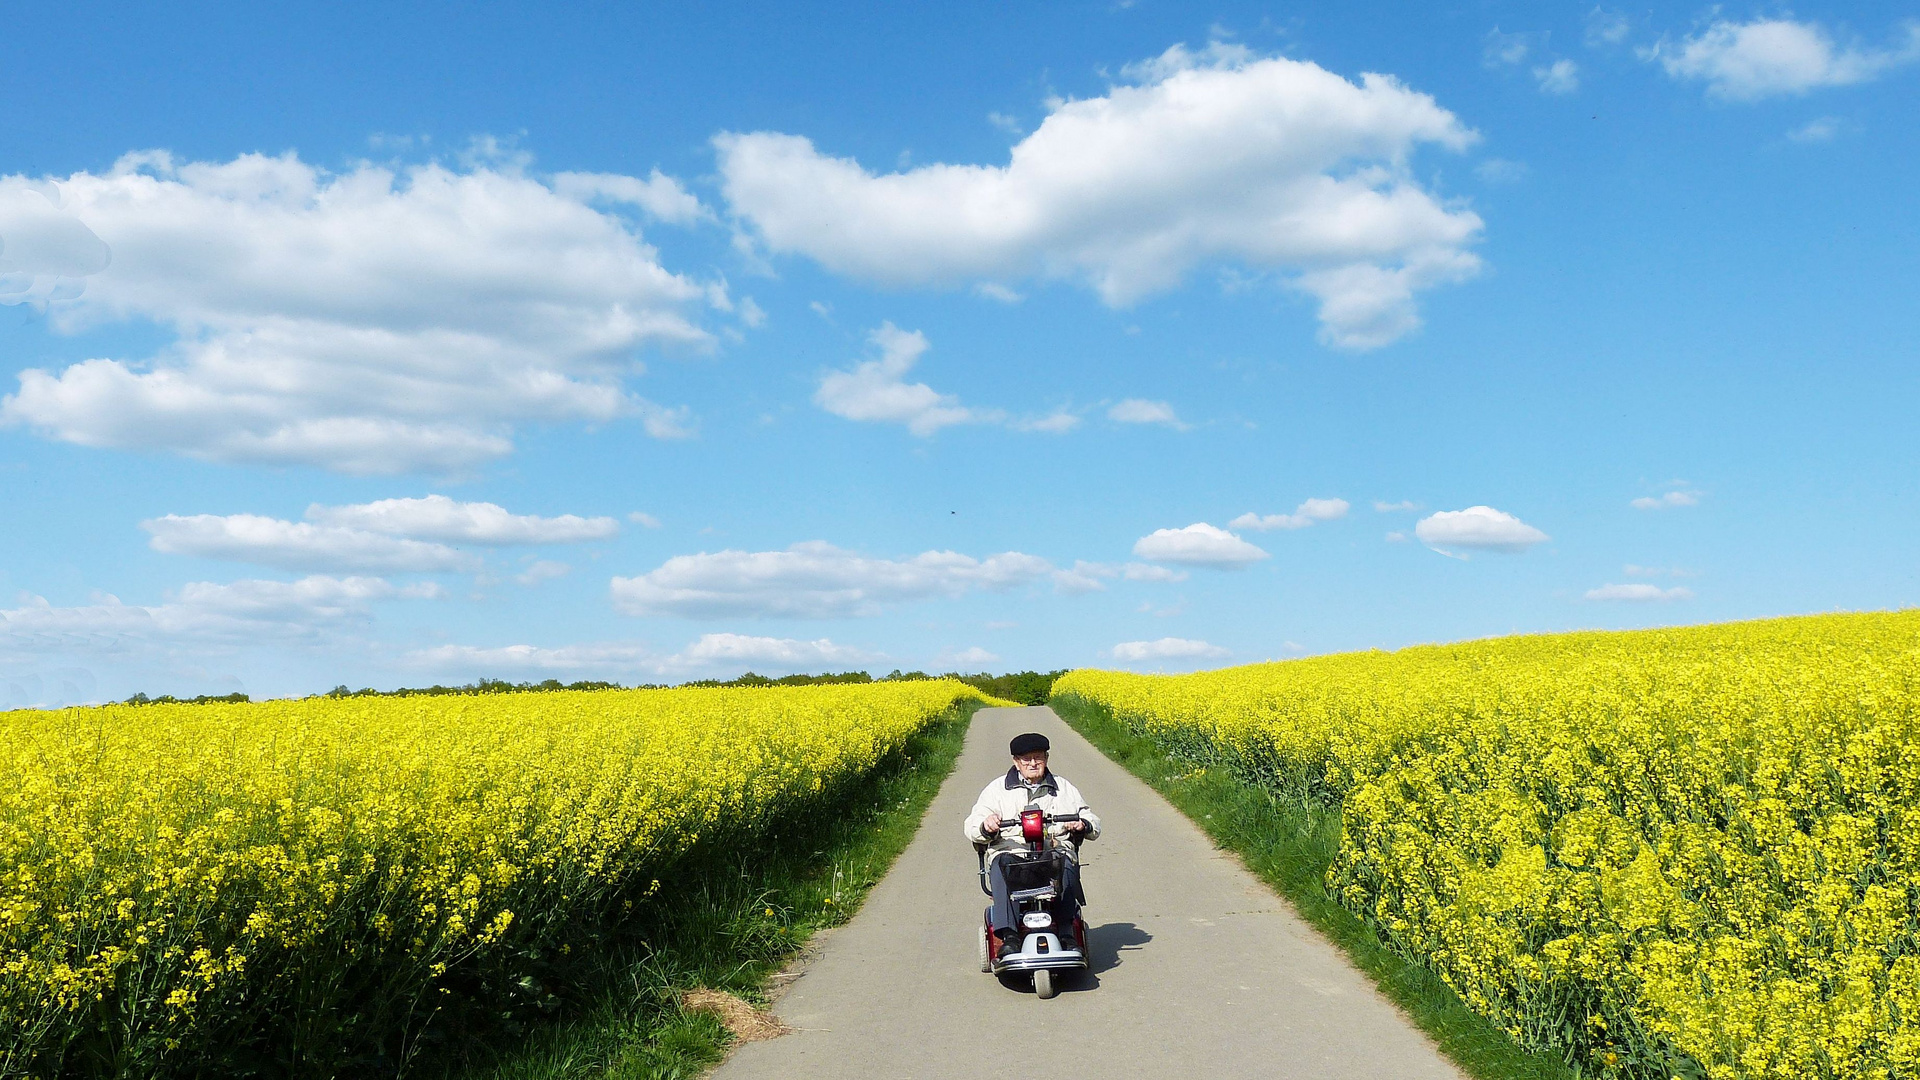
pixel 1665 853
pixel 171 875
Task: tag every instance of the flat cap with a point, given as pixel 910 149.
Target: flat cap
pixel 1031 743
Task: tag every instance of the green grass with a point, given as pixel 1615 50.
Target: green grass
pixel 1290 844
pixel 748 914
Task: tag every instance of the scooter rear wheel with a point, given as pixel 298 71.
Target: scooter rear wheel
pixel 986 951
pixel 1043 987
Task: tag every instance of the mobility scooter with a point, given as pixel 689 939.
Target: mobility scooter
pixel 1052 938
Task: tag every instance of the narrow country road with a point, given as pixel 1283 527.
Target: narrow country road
pixel 1198 969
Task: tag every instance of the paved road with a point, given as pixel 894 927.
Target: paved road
pixel 1199 970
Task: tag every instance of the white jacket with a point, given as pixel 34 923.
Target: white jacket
pixel 1009 794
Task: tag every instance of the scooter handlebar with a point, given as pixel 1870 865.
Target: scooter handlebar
pixel 1051 819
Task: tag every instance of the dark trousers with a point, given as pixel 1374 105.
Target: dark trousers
pixel 1002 894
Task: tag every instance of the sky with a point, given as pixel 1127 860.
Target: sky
pixel 389 345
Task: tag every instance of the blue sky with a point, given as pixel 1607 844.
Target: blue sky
pixel 391 347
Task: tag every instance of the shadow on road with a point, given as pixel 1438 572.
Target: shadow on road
pixel 1107 941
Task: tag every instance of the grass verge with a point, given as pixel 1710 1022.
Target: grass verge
pixel 1290 845
pixel 744 915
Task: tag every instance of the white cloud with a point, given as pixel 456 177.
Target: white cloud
pixel 1306 514
pixel 1607 27
pixel 1477 527
pixel 1199 544
pixel 975 658
pixel 1680 497
pixel 1167 648
pixel 437 517
pixel 1085 577
pixel 780 653
pixel 365 321
pixel 199 613
pixel 1054 423
pixel 659 195
pixel 1142 411
pixel 1772 57
pixel 1501 171
pixel 46 252
pixel 1639 591
pixel 1559 77
pixel 609 659
pixel 1208 157
pixel 542 570
pixel 996 291
pixel 1506 50
pixel 1822 129
pixel 877 390
pixel 813 580
pixel 289 545
pixel 1656 571
pixel 644 519
pixel 1406 506
pixel 722 653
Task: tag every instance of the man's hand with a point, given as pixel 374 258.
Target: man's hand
pixel 990 828
pixel 1076 826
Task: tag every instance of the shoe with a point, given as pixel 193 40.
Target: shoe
pixel 1007 948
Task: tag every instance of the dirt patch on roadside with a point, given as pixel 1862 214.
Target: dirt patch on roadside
pixel 747 1023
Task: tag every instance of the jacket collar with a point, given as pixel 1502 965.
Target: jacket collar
pixel 1046 783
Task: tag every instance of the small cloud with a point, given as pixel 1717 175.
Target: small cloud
pixel 1002 624
pixel 1607 27
pixel 1639 592
pixel 1478 527
pixel 1142 411
pixel 644 519
pixel 1306 514
pixel 813 580
pixel 1056 423
pixel 543 570
pixel 1506 50
pixel 1773 57
pixel 1407 506
pixel 1816 131
pixel 659 196
pixel 822 309
pixel 1009 124
pixel 1677 497
pixel 751 313
pixel 733 650
pixel 1086 577
pixel 1559 77
pixel 1501 171
pixel 1632 570
pixel 1166 648
pixel 877 390
pixel 299 546
pixel 437 517
pixel 996 291
pixel 975 657
pixel 1397 537
pixel 1199 544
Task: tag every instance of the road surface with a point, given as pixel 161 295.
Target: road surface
pixel 1199 970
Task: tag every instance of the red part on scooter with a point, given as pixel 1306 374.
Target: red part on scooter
pixel 1033 825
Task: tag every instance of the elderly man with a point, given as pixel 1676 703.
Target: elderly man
pixel 1028 782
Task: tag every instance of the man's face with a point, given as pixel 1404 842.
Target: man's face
pixel 1032 766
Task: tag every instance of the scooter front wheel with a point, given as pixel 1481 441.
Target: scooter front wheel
pixel 1043 987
